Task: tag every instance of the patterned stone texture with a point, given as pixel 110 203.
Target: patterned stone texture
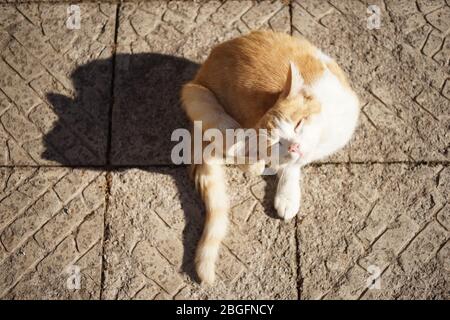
pixel 51 221
pixel 399 72
pixel 391 218
pixel 50 111
pixel 147 84
pixel 154 222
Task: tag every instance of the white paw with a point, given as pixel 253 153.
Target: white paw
pixel 287 206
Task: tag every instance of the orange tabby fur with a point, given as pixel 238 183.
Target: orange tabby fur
pixel 249 84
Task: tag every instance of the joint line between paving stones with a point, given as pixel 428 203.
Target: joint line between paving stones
pixel 18 2
pixel 299 279
pixel 297 260
pixel 174 166
pixel 11 100
pixel 113 74
pixel 290 17
pixel 108 152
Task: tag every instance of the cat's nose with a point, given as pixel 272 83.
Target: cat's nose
pixel 295 147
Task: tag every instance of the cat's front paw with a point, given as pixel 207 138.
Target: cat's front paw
pixel 287 206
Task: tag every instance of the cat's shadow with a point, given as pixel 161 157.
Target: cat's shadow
pixel 121 116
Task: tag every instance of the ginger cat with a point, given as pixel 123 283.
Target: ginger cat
pixel 274 81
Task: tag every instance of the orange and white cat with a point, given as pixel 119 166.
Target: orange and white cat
pixel 273 81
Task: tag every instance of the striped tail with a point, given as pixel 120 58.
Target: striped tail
pixel 200 104
pixel 210 181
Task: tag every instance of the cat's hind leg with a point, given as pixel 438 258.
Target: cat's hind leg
pixel 200 104
pixel 288 194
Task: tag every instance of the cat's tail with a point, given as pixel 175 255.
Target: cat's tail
pixel 200 104
pixel 210 181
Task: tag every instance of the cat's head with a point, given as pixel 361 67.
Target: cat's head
pixel 294 123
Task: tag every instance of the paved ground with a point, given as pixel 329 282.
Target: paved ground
pixel 87 188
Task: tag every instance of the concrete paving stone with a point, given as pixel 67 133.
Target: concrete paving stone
pixel 143 250
pixel 316 8
pixel 159 47
pixel 388 74
pixel 344 233
pixel 62 107
pixel 424 247
pixel 390 243
pixel 442 56
pixel 424 281
pixel 52 279
pixel 335 241
pixel 417 38
pixel 446 89
pixel 440 19
pixel 427 6
pixel 415 21
pixel 443 256
pixel 304 23
pixel 43 232
pixel 433 43
pixel 29 188
pixel 444 217
pixel 350 286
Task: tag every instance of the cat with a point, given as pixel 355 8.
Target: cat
pixel 267 80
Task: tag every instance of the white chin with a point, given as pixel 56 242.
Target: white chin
pixel 293 158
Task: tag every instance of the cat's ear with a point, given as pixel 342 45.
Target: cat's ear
pixel 294 82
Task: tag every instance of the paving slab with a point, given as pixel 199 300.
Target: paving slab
pixel 154 222
pixel 405 111
pixel 392 218
pixel 159 46
pixel 51 231
pixel 365 221
pixel 54 111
